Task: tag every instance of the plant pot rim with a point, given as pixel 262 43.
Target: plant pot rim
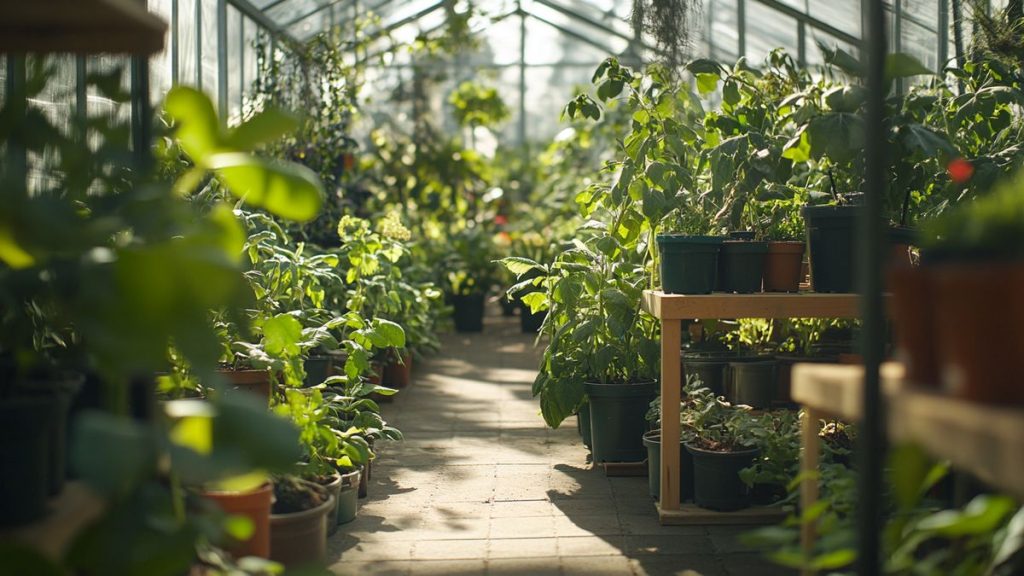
pixel 827 210
pixel 643 382
pixel 689 239
pixel 265 487
pixel 696 450
pixel 787 246
pixel 754 361
pixel 289 517
pixel 750 245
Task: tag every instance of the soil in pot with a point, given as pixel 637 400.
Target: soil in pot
pixel 254 505
pixel 26 423
pixel 298 522
pixel 583 424
pixel 741 266
pixel 751 382
pixel 468 311
pixel 913 309
pixel 652 441
pixel 830 237
pixel 979 339
pixel 617 420
pixel 689 264
pixel 716 478
pixel 348 501
pixel 249 381
pixel 708 367
pixel 783 267
pixel 318 368
pixel 398 370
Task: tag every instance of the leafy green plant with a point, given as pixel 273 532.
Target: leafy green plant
pixel 711 423
pixel 990 227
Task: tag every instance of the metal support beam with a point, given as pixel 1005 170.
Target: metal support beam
pixel 522 76
pixel 589 21
pixel 741 28
pixel 260 17
pixel 241 63
pixel 142 113
pixel 811 21
pixel 16 97
pixel 872 447
pixel 943 32
pixel 198 9
pixel 801 44
pixel 175 42
pixel 81 91
pixel 222 60
pixel 570 33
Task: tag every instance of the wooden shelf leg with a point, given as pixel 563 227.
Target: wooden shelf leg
pixel 810 443
pixel 671 335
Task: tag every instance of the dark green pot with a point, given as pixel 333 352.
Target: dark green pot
pixel 468 311
pixel 334 488
pixel 830 239
pixel 741 266
pixel 348 497
pixel 652 441
pixel 708 367
pixel 751 382
pixel 617 420
pixel 689 264
pixel 583 424
pixel 318 368
pixel 26 424
pixel 716 478
pixel 529 322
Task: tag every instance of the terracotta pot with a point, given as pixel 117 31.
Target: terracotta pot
pixel 783 267
pixel 398 374
pixel 251 381
pixel 913 309
pixel 979 339
pixel 254 505
pixel 300 538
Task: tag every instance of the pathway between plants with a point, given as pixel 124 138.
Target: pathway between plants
pixel 481 486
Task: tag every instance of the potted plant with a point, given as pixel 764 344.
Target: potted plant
pixel 721 439
pixel 741 263
pixel 750 378
pixel 778 463
pixel 800 342
pixel 777 222
pixel 972 259
pixel 652 441
pixel 298 521
pixel 469 275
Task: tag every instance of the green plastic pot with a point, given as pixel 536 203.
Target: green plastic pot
pixel 689 264
pixel 741 266
pixel 830 239
pixel 334 489
pixel 652 441
pixel 530 322
pixel 708 367
pixel 583 424
pixel 318 368
pixel 468 311
pixel 617 420
pixel 751 382
pixel 716 478
pixel 25 427
pixel 348 497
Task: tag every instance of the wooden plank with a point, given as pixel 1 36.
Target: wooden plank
pixel 80 26
pixel 764 305
pixel 986 440
pixel 691 514
pixel 838 389
pixel 70 511
pixel 671 339
pixel 625 469
pixel 810 446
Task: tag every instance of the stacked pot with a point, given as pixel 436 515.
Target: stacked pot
pixel 738 263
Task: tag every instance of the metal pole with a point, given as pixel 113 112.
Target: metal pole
pixel 741 27
pixel 199 43
pixel 958 40
pixel 81 91
pixel 897 35
pixel 14 88
pixel 801 44
pixel 222 60
pixel 872 446
pixel 522 76
pixel 942 29
pixel 174 42
pixel 142 113
pixel 241 64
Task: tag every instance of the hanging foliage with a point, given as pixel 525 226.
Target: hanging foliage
pixel 670 23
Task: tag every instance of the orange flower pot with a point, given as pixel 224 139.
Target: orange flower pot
pixel 254 505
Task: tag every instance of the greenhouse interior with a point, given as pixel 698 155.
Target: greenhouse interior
pixel 418 287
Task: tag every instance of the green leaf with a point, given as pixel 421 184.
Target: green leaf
pixel 287 190
pixel 393 334
pixel 903 65
pixel 196 119
pixel 835 559
pixel 707 83
pixel 519 265
pixel 838 136
pixel 981 515
pixel 10 252
pixel 263 128
pixel 703 66
pixel 537 301
pixel 281 335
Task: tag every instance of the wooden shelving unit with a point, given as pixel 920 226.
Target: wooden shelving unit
pixel 671 310
pixel 81 27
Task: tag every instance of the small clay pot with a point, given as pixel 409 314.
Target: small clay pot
pixel 913 311
pixel 251 381
pixel 254 505
pixel 783 267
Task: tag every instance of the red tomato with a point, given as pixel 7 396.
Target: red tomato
pixel 960 170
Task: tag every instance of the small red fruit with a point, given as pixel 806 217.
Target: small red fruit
pixel 960 170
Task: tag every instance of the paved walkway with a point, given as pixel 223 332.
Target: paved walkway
pixel 482 486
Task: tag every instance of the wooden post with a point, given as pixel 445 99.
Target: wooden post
pixel 671 339
pixel 808 478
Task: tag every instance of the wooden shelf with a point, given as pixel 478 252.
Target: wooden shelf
pixel 762 305
pixel 985 440
pixel 691 514
pixel 70 511
pixel 81 27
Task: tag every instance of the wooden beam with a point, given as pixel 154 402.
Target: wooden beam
pixel 80 27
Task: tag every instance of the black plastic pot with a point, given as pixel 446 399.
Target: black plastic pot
pixel 689 264
pixel 530 322
pixel 318 368
pixel 708 367
pixel 26 423
pixel 617 422
pixel 468 311
pixel 583 424
pixel 741 235
pixel 741 266
pixel 830 240
pixel 716 478
pixel 751 382
pixel 652 441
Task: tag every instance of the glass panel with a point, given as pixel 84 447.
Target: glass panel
pixel 767 30
pixel 209 35
pixel 234 66
pixel 160 64
pixel 187 38
pixel 723 36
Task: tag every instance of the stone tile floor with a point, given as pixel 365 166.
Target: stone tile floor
pixel 481 486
